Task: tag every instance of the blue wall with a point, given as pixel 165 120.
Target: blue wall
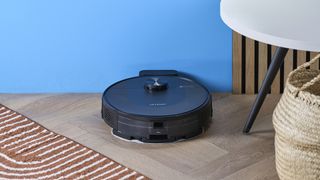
pixel 85 45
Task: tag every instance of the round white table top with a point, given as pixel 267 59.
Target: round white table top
pixel 293 24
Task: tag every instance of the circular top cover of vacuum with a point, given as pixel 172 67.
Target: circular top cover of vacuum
pixel 156 96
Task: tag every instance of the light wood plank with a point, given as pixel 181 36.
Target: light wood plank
pixel 275 88
pixel 301 57
pixel 249 66
pixel 316 65
pixel 250 173
pixel 263 62
pixel 288 64
pixel 236 62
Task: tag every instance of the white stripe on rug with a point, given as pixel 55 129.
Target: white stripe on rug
pixel 8 115
pixel 58 147
pixel 12 124
pixel 117 174
pixel 15 129
pixel 11 119
pixel 96 170
pixel 66 169
pixel 84 168
pixel 24 139
pixel 35 162
pixel 107 172
pixel 45 165
pixel 6 112
pixel 140 177
pixel 28 142
pixel 56 167
pixel 20 134
pixel 36 144
pixel 127 176
pixel 48 145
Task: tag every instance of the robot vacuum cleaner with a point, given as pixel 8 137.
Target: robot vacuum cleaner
pixel 157 106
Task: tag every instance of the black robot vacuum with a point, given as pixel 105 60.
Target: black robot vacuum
pixel 157 106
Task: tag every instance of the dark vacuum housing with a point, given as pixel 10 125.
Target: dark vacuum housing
pixel 157 106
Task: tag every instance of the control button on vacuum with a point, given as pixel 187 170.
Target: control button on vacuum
pixel 155 84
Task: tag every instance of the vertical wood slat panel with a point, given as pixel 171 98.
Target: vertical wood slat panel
pixel 316 65
pixel 237 62
pixel 275 87
pixel 249 66
pixel 302 56
pixel 263 62
pixel 288 64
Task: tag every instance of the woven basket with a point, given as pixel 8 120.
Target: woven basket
pixel 296 120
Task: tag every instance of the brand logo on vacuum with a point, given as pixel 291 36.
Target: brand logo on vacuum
pixel 157 104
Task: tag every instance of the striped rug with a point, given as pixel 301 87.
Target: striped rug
pixel 30 151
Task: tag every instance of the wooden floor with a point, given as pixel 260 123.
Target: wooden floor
pixel 223 152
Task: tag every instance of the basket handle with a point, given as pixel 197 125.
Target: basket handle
pixel 314 80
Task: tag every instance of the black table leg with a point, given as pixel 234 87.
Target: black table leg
pixel 277 61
